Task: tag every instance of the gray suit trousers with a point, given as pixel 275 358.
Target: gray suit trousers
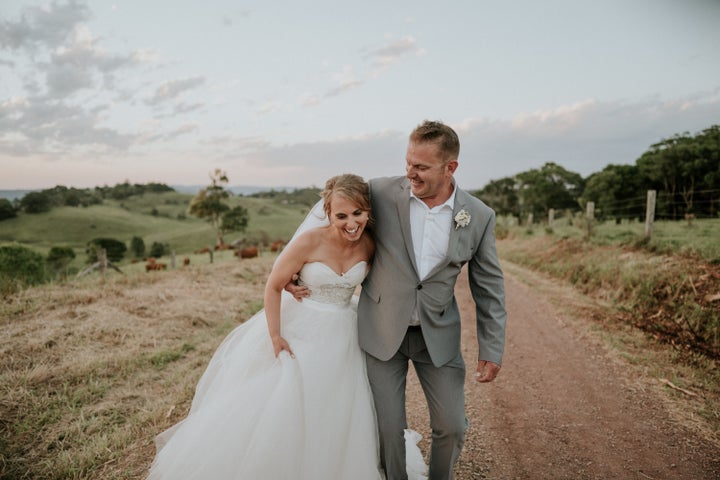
pixel 443 388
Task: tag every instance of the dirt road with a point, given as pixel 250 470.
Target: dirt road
pixel 563 406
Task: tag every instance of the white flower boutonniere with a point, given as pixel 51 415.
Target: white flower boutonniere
pixel 462 219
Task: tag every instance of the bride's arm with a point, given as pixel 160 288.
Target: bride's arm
pixel 285 267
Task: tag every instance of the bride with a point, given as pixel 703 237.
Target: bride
pixel 286 396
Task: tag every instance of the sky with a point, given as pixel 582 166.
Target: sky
pixel 289 93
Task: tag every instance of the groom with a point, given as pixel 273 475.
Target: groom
pixel 426 229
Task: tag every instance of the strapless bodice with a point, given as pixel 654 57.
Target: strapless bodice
pixel 327 286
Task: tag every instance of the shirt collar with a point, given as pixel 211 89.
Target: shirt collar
pixel 450 202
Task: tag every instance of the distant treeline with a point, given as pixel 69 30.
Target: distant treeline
pixel 61 196
pixel 301 196
pixel 684 170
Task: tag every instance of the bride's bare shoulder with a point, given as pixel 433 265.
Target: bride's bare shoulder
pixel 310 237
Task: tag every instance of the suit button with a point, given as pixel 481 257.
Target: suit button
pixel 419 287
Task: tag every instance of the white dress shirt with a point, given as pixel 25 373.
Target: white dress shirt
pixel 430 232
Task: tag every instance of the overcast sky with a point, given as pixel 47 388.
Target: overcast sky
pixel 288 93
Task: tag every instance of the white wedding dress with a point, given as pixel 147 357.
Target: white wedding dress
pixel 257 417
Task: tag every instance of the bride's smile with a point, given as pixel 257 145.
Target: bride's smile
pixel 347 217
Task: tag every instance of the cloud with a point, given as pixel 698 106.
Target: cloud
pixel 347 80
pixel 178 132
pixel 42 26
pixel 74 66
pixel 344 81
pixel 173 89
pixel 64 55
pixel 267 108
pixel 583 137
pixel 38 126
pixel 393 52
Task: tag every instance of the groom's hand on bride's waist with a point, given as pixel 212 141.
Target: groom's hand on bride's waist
pixel 297 291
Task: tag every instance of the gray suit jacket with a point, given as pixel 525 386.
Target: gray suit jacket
pixel 392 289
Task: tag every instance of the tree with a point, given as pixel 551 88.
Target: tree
pixel 7 210
pixel 36 202
pixel 683 167
pixel 158 249
pixel 59 258
pixel 502 196
pixel 20 267
pixel 115 249
pixel 617 190
pixel 209 202
pixel 551 186
pixel 137 247
pixel 234 220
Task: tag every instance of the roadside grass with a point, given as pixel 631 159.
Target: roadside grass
pixel 660 312
pixel 91 371
pixel 700 238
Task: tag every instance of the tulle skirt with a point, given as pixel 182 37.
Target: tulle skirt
pixel 258 417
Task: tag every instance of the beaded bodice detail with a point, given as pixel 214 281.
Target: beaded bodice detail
pixel 327 286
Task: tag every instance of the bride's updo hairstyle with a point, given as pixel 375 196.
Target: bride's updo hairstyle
pixel 352 187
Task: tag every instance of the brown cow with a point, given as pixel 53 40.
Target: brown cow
pixel 249 252
pixel 277 246
pixel 155 266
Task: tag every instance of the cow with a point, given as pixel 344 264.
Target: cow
pixel 153 265
pixel 277 246
pixel 248 252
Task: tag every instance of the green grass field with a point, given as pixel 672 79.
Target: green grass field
pixel 158 217
pixel 702 237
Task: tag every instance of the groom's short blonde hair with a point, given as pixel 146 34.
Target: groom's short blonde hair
pixel 441 135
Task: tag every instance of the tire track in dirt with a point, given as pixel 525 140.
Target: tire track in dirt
pixel 562 407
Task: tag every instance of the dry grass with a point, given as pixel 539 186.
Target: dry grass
pixel 622 291
pixel 90 371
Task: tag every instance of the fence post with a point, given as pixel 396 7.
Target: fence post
pixel 650 213
pixel 172 260
pixel 551 217
pixel 102 260
pixel 530 220
pixel 590 214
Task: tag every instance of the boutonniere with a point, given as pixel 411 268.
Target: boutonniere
pixel 462 219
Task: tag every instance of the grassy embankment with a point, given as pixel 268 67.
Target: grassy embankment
pixel 659 301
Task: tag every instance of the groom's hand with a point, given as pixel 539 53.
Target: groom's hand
pixel 297 291
pixel 486 371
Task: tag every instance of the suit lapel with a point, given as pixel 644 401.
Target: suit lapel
pixel 402 200
pixel 455 233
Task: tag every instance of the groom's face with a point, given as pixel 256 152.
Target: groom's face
pixel 430 175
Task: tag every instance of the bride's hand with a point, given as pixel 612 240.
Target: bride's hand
pixel 280 344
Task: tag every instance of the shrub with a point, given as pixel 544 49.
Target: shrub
pixel 115 249
pixel 59 258
pixel 158 249
pixel 36 202
pixel 20 267
pixel 137 247
pixel 6 209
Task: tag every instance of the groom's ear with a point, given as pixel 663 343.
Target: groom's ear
pixel 452 166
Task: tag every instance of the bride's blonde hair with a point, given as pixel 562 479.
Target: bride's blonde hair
pixel 351 186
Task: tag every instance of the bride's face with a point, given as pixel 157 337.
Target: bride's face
pixel 347 217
